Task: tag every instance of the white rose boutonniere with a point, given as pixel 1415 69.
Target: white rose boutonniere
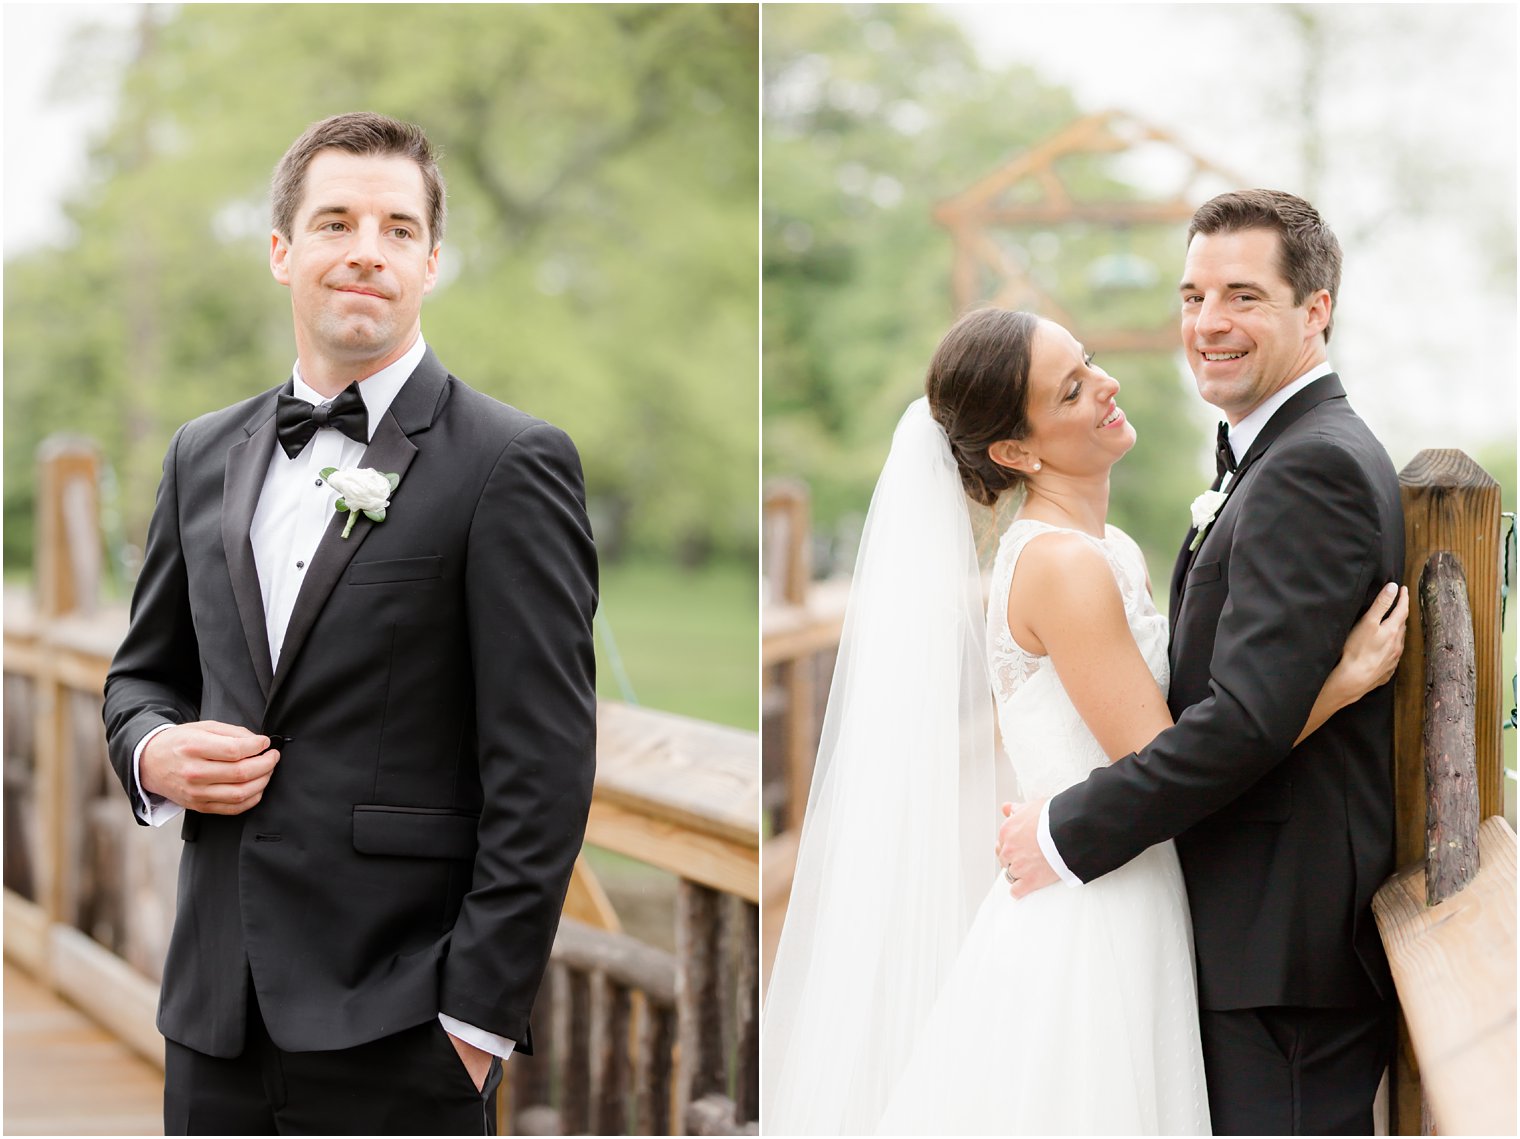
pixel 1204 508
pixel 363 490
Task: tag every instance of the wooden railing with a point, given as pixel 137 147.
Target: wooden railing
pixel 629 1037
pixel 1447 917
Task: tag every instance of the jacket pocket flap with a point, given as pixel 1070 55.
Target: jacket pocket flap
pixel 1202 574
pixel 416 832
pixel 395 569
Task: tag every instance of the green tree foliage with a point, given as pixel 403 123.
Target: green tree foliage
pixel 873 114
pixel 599 267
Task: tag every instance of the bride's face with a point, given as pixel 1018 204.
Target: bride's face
pixel 1075 425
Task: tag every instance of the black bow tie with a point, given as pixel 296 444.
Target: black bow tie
pixel 296 421
pixel 1224 458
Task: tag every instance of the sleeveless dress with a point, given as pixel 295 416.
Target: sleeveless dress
pixel 1074 1010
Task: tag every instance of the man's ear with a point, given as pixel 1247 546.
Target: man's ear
pixel 1317 309
pixel 1012 454
pixel 279 257
pixel 430 274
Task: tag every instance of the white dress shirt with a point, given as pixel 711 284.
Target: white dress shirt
pixel 1241 436
pixel 295 506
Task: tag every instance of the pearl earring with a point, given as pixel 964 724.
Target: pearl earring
pixel 1037 464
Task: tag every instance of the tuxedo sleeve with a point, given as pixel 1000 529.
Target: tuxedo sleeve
pixel 155 678
pixel 530 585
pixel 1301 562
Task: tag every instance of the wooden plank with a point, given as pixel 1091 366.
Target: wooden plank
pixel 26 934
pixel 703 777
pixel 65 1075
pixel 1454 967
pixel 729 866
pixel 103 985
pixel 586 901
pixel 791 631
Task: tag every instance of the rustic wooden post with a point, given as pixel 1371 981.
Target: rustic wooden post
pixel 67 572
pixel 68 556
pixel 1451 813
pixel 699 994
pixel 1450 503
pixel 788 532
pixel 747 1076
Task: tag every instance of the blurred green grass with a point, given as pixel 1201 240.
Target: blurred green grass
pixel 688 639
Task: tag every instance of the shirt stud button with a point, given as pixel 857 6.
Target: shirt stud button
pixel 300 565
pixel 319 482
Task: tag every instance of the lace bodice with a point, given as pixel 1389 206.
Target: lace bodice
pixel 1044 737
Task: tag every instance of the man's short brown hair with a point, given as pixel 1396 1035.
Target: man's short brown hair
pixel 358 132
pixel 1310 254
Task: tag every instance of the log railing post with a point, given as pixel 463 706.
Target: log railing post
pixel 1451 812
pixel 1450 503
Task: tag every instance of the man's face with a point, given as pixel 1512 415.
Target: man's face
pixel 1244 337
pixel 358 262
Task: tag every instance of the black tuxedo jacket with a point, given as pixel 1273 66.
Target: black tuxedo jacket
pixel 1282 846
pixel 412 850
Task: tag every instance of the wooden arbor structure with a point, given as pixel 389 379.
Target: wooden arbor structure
pixel 1033 189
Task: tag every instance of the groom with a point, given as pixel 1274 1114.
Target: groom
pixel 378 722
pixel 1282 847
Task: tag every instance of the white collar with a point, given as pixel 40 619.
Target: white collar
pixel 379 390
pixel 1244 433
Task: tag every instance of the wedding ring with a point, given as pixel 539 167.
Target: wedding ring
pixel 1008 874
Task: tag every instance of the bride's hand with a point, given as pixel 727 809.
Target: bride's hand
pixel 1371 654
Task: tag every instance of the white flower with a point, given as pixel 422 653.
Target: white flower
pixel 1204 509
pixel 363 490
pixel 1206 505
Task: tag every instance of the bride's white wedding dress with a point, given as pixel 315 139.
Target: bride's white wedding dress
pixel 1073 1010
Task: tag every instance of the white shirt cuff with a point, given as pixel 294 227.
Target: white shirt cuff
pixel 486 1041
pixel 154 810
pixel 1048 848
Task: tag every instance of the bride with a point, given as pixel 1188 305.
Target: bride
pixel 910 993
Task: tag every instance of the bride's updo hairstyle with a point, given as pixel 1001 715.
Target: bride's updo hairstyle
pixel 978 389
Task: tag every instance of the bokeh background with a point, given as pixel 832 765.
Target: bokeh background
pixel 599 268
pixel 1397 121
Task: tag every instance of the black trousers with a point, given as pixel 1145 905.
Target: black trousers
pixel 1295 1071
pixel 410 1083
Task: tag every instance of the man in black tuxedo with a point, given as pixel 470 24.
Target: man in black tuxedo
pixel 1282 847
pixel 379 722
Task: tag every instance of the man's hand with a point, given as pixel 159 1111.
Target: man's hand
pixel 1018 849
pixel 208 766
pixel 477 1061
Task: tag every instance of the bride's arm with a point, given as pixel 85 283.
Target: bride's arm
pixel 1064 601
pixel 1368 660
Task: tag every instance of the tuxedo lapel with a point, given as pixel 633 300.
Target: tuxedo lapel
pixel 390 451
pixel 1327 387
pixel 247 464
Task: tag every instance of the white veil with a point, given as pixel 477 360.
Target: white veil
pixel 897 845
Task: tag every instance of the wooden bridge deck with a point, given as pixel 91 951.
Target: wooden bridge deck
pixel 65 1075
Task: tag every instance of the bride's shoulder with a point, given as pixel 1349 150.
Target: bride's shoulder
pixel 1051 555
